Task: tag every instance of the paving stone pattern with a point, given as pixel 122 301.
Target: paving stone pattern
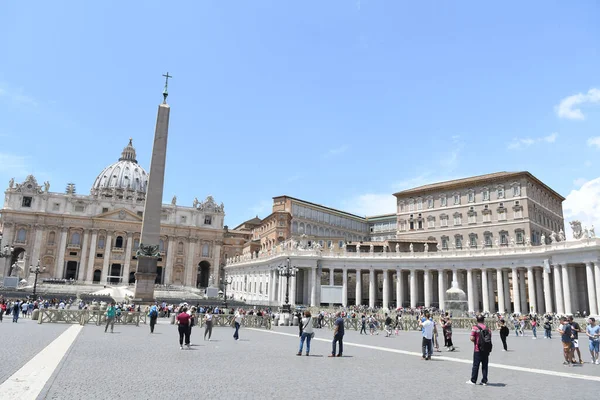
pixel 134 364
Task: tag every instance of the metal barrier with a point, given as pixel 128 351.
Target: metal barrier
pixel 84 317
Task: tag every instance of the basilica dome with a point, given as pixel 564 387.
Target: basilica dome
pixel 123 175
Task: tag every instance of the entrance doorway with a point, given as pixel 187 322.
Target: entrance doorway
pixel 132 277
pixel 16 257
pixel 71 271
pixel 159 276
pixel 203 274
pixel 115 273
pixel 97 276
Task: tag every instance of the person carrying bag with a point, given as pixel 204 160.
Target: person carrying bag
pixel 307 333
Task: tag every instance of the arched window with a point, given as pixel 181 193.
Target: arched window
pixel 101 242
pixel 119 242
pixel 180 248
pixel 76 238
pixel 205 250
pixel 51 238
pixel 21 236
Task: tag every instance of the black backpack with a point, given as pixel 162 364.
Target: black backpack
pixel 485 340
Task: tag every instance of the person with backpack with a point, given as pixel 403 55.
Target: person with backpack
pixel 548 327
pixel 504 332
pixel 481 337
pixel 153 314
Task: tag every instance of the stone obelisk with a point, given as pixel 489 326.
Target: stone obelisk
pixel 148 252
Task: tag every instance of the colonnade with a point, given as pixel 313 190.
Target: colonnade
pixel 562 288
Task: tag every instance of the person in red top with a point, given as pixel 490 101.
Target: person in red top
pixel 480 354
pixel 183 322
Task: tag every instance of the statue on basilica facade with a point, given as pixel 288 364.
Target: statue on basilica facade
pixel 46 186
pixel 411 248
pixel 196 202
pixel 585 234
pixel 174 201
pixel 553 237
pixel 426 247
pixel 371 248
pixel 528 241
pixel 561 235
pixel 543 239
pixel 577 231
pixel 11 183
pixel 592 232
pixel 397 248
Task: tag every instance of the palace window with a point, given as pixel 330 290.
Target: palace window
pixel 500 192
pixel 504 238
pixel 411 205
pixel 472 218
pixel 101 242
pixel 401 205
pixel 21 236
pixel 519 235
pixel 444 220
pixel 456 198
pixel 443 201
pixel 516 190
pixel 429 203
pixel 104 210
pixel 119 242
pixel 419 204
pixel 518 214
pixel 76 238
pixel 341 244
pixel 502 215
pixel 457 219
pixel 51 238
pixel 205 250
pixel 471 197
pixel 488 239
pixel 431 222
pixel 473 240
pixel 458 241
pixel 445 242
pixel 486 194
pixel 79 208
pixel 26 202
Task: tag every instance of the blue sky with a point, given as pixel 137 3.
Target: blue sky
pixel 337 102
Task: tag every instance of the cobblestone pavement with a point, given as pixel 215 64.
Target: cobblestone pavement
pixel 134 364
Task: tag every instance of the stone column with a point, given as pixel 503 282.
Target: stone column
pixel 169 263
pixel 386 289
pixel 106 257
pixel 60 263
pixel 567 293
pixel 597 279
pixel 539 289
pixel 331 277
pixel 531 290
pixel 313 287
pixel 191 268
pixel 344 287
pixel 292 289
pixel 399 288
pixel 560 305
pixel 470 290
pixel 358 289
pixel 492 305
pixel 442 289
pixel 589 270
pixel 8 238
pixel 413 288
pixel 372 288
pixel 83 259
pixel 127 266
pixel 475 291
pixel 35 247
pixel 507 302
pixel 523 292
pixel 484 291
pixel 92 256
pixel 500 289
pixel 547 292
pixel 427 295
pixel 270 290
pixel 516 293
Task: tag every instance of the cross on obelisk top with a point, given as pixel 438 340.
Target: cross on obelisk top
pixel 166 92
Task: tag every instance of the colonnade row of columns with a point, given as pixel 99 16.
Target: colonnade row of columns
pixel 563 289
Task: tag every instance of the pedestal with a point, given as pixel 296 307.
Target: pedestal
pixel 144 287
pixel 11 282
pixel 212 292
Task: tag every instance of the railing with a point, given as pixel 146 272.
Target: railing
pixel 248 321
pixel 442 253
pixel 83 317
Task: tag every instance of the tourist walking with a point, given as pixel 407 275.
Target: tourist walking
pixel 363 324
pixel 566 338
pixel 338 335
pixel 306 333
pixel 427 334
pixel 534 327
pixel 388 325
pixel 548 328
pixel 447 329
pixel 208 324
pixel 183 326
pixel 110 317
pixel 593 333
pixel 15 311
pixel 504 332
pixel 481 337
pixel 575 330
pixel 237 321
pixel 153 314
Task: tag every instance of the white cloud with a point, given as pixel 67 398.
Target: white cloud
pixel 16 96
pixel 594 142
pixel 579 182
pixel 336 151
pixel 370 204
pixel 583 204
pixel 568 107
pixel 522 143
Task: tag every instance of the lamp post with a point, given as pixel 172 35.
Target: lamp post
pixel 287 271
pixel 226 282
pixel 36 270
pixel 6 252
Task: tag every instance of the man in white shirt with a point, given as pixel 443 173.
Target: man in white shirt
pixel 426 325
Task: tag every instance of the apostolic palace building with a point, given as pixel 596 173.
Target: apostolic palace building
pixel 94 238
pixel 499 236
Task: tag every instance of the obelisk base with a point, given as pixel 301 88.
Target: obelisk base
pixel 145 279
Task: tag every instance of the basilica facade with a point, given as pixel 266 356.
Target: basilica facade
pixel 93 238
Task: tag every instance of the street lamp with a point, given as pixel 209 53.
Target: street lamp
pixel 226 282
pixel 36 270
pixel 287 271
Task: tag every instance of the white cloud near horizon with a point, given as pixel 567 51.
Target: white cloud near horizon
pixel 569 107
pixel 522 143
pixel 594 142
pixel 336 151
pixel 583 204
